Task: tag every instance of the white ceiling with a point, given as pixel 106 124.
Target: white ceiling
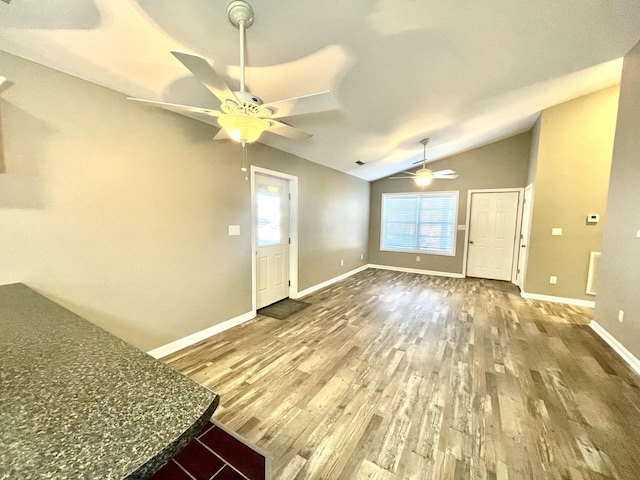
pixel 465 73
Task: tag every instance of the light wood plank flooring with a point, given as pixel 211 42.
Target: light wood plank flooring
pixel 393 375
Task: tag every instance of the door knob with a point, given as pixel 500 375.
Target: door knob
pixel 470 241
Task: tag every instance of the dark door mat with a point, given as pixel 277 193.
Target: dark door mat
pixel 283 308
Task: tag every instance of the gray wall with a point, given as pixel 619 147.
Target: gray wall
pixel 571 180
pixel 619 273
pixel 121 212
pixel 502 164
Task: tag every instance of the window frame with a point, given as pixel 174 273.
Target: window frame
pixel 418 195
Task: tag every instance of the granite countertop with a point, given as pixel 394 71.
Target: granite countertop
pixel 77 402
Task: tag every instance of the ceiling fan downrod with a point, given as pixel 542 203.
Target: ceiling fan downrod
pixel 424 142
pixel 241 16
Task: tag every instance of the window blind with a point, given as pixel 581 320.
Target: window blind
pixel 419 222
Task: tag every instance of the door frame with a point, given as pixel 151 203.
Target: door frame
pixel 516 243
pixel 292 181
pixel 523 271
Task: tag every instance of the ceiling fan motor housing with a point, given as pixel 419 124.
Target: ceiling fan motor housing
pixel 249 105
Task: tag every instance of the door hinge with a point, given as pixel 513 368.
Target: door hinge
pixel 289 282
pixel 289 240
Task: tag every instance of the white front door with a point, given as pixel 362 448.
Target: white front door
pixel 272 235
pixel 492 235
pixel 525 235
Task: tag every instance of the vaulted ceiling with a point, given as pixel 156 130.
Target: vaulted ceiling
pixel 464 73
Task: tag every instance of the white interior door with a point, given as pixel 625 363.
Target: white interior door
pixel 492 235
pixel 272 235
pixel 525 235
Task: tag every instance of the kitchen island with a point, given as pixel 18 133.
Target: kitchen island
pixel 78 402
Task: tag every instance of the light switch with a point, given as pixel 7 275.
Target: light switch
pixel 556 232
pixel 234 230
pixel 638 234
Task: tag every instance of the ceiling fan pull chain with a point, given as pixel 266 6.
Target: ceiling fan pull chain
pixel 244 160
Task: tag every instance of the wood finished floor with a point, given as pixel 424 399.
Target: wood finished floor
pixel 393 375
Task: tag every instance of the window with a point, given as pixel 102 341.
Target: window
pixel 269 205
pixel 419 222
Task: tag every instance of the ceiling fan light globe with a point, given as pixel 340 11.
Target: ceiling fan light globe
pixel 423 177
pixel 243 128
pixel 422 181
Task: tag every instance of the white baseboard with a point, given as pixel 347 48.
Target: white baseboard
pixel 565 300
pixel 181 343
pixel 628 357
pixel 329 282
pixel 187 341
pixel 416 270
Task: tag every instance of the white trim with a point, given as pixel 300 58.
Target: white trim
pixel 520 278
pixel 592 273
pixel 189 340
pixel 516 243
pixel 564 300
pixel 293 230
pixel 328 282
pixel 620 349
pixel 416 270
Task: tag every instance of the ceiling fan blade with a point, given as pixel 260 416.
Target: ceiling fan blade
pixel 396 178
pixel 445 177
pixel 448 171
pixel 316 102
pixel 203 117
pixel 204 72
pixel 288 131
pixel 176 107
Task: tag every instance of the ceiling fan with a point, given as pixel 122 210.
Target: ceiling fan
pixel 243 116
pixel 423 176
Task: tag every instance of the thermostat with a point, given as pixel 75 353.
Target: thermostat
pixel 593 218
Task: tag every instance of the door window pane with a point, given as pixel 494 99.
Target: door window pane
pixel 269 205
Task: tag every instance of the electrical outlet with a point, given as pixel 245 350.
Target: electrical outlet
pixel 362 256
pixel 553 279
pixel 341 262
pixel 417 258
pixel 620 315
